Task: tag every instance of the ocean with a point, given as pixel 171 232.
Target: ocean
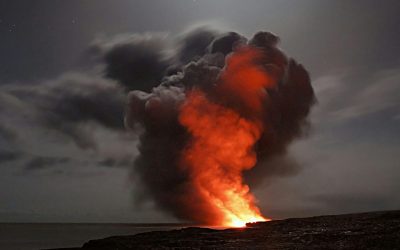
pixel 34 236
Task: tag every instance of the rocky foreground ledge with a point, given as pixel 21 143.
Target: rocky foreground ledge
pixel 376 230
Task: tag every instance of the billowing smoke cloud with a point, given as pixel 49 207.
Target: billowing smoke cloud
pixel 135 61
pixel 160 72
pixel 194 44
pixel 284 109
pixel 140 61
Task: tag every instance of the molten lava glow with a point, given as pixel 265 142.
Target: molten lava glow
pixel 223 138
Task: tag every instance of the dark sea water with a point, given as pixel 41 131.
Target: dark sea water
pixel 24 236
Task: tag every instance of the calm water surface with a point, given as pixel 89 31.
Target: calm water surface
pixel 24 236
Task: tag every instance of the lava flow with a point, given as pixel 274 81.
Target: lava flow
pixel 223 136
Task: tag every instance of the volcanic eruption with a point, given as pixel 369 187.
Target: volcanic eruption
pixel 210 129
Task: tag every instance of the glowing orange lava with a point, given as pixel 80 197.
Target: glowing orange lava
pixel 223 138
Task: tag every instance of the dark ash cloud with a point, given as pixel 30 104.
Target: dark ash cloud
pixel 160 71
pixel 135 61
pixel 194 44
pixel 287 107
pixel 226 42
pixel 141 61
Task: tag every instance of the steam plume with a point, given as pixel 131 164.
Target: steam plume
pixel 245 92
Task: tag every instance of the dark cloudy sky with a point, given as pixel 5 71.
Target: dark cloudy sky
pixel 64 153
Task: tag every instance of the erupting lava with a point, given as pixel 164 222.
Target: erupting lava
pixel 223 137
pixel 231 110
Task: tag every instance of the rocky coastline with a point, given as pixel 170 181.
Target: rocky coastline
pixel 375 230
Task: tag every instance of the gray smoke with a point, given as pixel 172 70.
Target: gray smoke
pixel 65 104
pixel 158 71
pixel 162 139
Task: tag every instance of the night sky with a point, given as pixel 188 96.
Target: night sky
pixel 65 155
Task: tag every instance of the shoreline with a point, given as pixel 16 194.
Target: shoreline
pixel 370 230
